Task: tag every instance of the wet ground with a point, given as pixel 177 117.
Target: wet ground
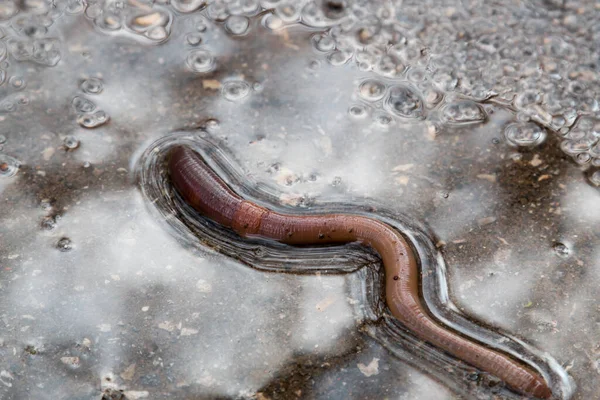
pixel 472 123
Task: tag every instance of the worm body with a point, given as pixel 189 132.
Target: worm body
pixel 208 194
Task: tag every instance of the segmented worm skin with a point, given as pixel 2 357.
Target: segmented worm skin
pixel 201 188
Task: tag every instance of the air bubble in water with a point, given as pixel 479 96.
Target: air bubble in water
pixel 383 120
pixel 187 6
pixel 64 244
pixel 417 75
pixel 574 147
pixel 389 66
pixel 583 158
pixel 217 11
pixel 92 120
pixel 237 25
pixel 47 204
pixel 212 125
pixel 8 9
pixel 288 12
pixel 524 134
pixel 259 251
pixel 313 15
pixel 21 50
pixel 194 39
pixel 371 90
pixel 463 113
pixel 7 105
pixel 272 22
pixel 152 24
pixel 92 86
pixel 200 61
pixel 157 33
pixel 46 52
pixel 595 178
pixel 109 22
pixel 71 143
pixel 93 11
pixel 357 111
pixel 527 98
pixel 83 105
pixel 339 57
pixel 404 101
pixel 561 250
pixel 235 90
pixel 75 6
pixel 9 166
pixel 323 42
pixel 3 51
pixel 251 7
pixel 48 223
pixel 313 66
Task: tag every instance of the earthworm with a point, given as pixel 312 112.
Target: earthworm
pixel 208 194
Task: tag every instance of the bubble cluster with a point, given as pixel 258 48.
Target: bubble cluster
pixel 86 116
pixel 12 102
pixel 44 51
pixel 582 142
pixel 31 25
pixel 546 80
pixel 135 19
pixel 9 166
pixel 550 82
pixel 92 120
pixel 154 24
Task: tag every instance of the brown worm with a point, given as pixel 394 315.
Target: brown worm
pixel 201 188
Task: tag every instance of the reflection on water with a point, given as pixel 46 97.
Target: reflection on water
pixel 478 121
